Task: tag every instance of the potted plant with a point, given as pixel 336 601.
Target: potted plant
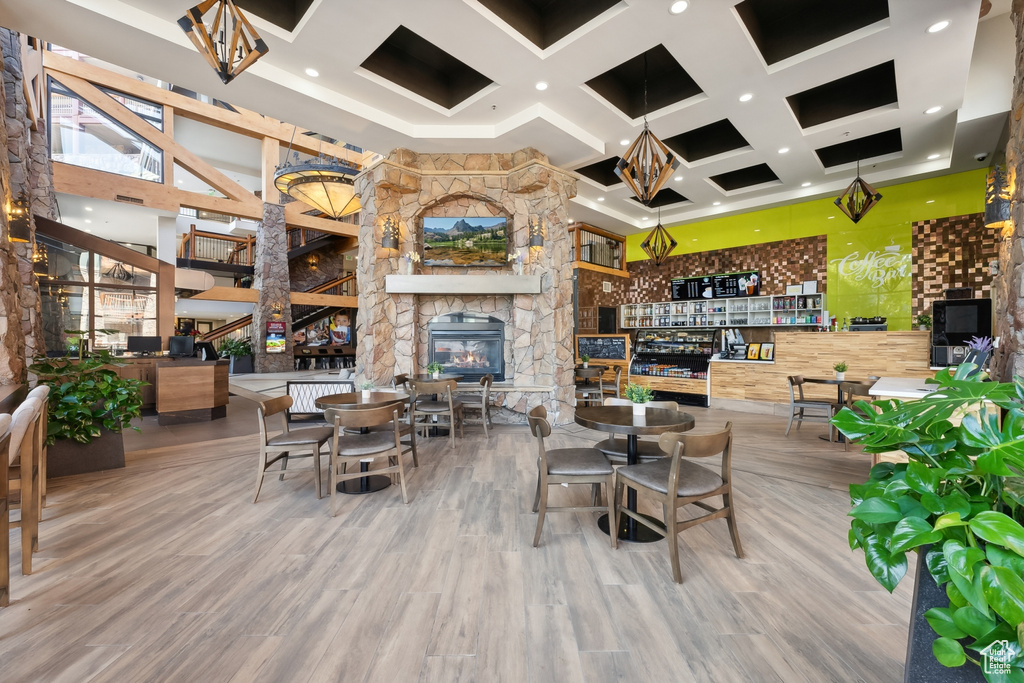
pixel 586 359
pixel 923 322
pixel 366 387
pixel 980 350
pixel 89 406
pixel 240 353
pixel 841 367
pixel 640 396
pixel 959 502
pixel 435 369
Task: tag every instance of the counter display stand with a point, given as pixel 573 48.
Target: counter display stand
pixel 791 310
pixel 673 361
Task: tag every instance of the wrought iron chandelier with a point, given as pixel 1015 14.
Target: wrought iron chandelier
pixel 325 183
pixel 858 198
pixel 659 244
pixel 118 272
pixel 230 45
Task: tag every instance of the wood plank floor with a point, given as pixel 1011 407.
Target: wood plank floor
pixel 166 571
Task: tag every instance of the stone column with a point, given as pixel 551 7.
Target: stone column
pixel 1008 286
pixel 274 285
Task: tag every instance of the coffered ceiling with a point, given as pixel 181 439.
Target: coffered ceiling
pixel 829 84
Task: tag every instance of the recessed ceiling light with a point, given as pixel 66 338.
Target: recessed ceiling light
pixel 746 97
pixel 783 150
pixel 624 142
pixel 600 199
pixel 646 218
pixel 807 184
pixel 678 7
pixel 938 26
pixel 933 110
pixel 757 229
pixel 694 239
pixel 88 230
pixel 715 203
pixel 312 73
pixel 831 217
pixel 930 201
pixel 88 221
pixel 541 85
pixel 933 156
pixel 88 208
pixel 849 244
pixel 128 245
pixel 181 182
pixel 678 178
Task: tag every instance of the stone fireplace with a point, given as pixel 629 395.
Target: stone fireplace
pixel 468 344
pixel 399 327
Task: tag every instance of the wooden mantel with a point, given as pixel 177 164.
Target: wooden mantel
pixel 462 284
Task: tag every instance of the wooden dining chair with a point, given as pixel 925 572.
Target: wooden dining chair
pixel 478 402
pixel 616 447
pixel 5 517
pixel 405 427
pixel 567 466
pixel 42 392
pixel 444 405
pixel 288 443
pixel 798 404
pixel 613 390
pixel 23 467
pixel 589 393
pixel 348 448
pixel 674 482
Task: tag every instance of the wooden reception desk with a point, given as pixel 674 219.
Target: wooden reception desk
pixel 181 389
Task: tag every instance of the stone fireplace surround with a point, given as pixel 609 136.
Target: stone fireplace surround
pixel 392 328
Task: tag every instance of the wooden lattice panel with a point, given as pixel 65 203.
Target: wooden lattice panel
pixel 951 252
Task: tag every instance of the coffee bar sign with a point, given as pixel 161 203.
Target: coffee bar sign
pixel 887 268
pixel 722 286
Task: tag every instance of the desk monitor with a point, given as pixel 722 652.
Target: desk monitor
pixel 144 345
pixel 206 351
pixel 181 347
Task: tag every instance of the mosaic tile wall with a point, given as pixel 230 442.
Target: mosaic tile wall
pixel 780 263
pixel 952 252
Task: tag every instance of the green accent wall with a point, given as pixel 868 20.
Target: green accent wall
pixel 869 263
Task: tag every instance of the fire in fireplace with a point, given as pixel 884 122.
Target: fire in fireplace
pixel 468 344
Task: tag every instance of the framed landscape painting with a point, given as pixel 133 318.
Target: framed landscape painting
pixel 467 241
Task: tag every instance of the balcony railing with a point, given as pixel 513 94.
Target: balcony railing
pixel 597 247
pixel 198 245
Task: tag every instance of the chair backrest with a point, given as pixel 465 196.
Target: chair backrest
pixel 42 392
pixel 589 373
pixel 686 445
pixel 618 380
pixel 540 428
pixel 796 382
pixel 5 436
pixel 615 401
pixel 433 386
pixel 663 405
pixel 24 422
pixel 269 408
pixel 400 381
pixel 364 417
pixel 855 391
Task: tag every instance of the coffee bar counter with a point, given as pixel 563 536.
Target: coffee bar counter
pixel 181 389
pixel 759 385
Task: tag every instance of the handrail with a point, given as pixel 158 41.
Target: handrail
pixel 597 247
pixel 200 245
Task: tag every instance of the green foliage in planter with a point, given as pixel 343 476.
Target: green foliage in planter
pixel 435 367
pixel 585 358
pixel 841 366
pixel 87 395
pixel 962 491
pixel 235 348
pixel 638 394
pixel 923 320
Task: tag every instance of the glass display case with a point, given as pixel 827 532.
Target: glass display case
pixel 673 353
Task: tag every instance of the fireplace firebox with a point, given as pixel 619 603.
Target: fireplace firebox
pixel 468 344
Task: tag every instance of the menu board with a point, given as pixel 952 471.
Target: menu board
pixel 605 348
pixel 722 286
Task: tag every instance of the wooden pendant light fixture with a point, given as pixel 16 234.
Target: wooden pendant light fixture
pixel 231 45
pixel 858 198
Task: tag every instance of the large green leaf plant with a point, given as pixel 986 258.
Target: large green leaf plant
pixel 87 395
pixel 961 495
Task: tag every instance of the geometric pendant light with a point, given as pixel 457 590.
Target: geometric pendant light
pixel 858 198
pixel 659 244
pixel 230 45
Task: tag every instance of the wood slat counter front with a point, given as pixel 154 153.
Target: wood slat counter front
pixel 181 389
pixel 759 386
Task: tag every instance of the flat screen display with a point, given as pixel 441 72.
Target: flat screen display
pixel 181 346
pixel 144 344
pixel 468 241
pixel 954 322
pixel 206 351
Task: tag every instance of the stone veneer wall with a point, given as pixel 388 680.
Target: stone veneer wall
pixel 271 279
pixel 392 328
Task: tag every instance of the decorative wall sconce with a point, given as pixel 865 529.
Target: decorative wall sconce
pixel 230 45
pixel 277 309
pixel 858 198
pixel 536 232
pixel 997 199
pixel 314 261
pixel 390 238
pixel 19 220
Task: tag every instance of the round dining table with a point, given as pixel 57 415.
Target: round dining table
pixel 840 399
pixel 443 377
pixel 356 400
pixel 621 420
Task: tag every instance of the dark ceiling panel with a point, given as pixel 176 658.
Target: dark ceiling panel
pixel 412 62
pixel 601 172
pixel 869 147
pixel 545 22
pixel 707 141
pixel 667 83
pixel 284 13
pixel 665 197
pixel 862 91
pixel 744 177
pixel 783 28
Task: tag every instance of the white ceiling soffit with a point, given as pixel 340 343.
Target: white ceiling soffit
pixel 565 121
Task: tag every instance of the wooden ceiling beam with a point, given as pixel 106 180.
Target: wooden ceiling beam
pixel 293 217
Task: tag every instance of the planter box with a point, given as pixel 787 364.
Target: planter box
pixel 66 457
pixel 241 365
pixel 921 665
